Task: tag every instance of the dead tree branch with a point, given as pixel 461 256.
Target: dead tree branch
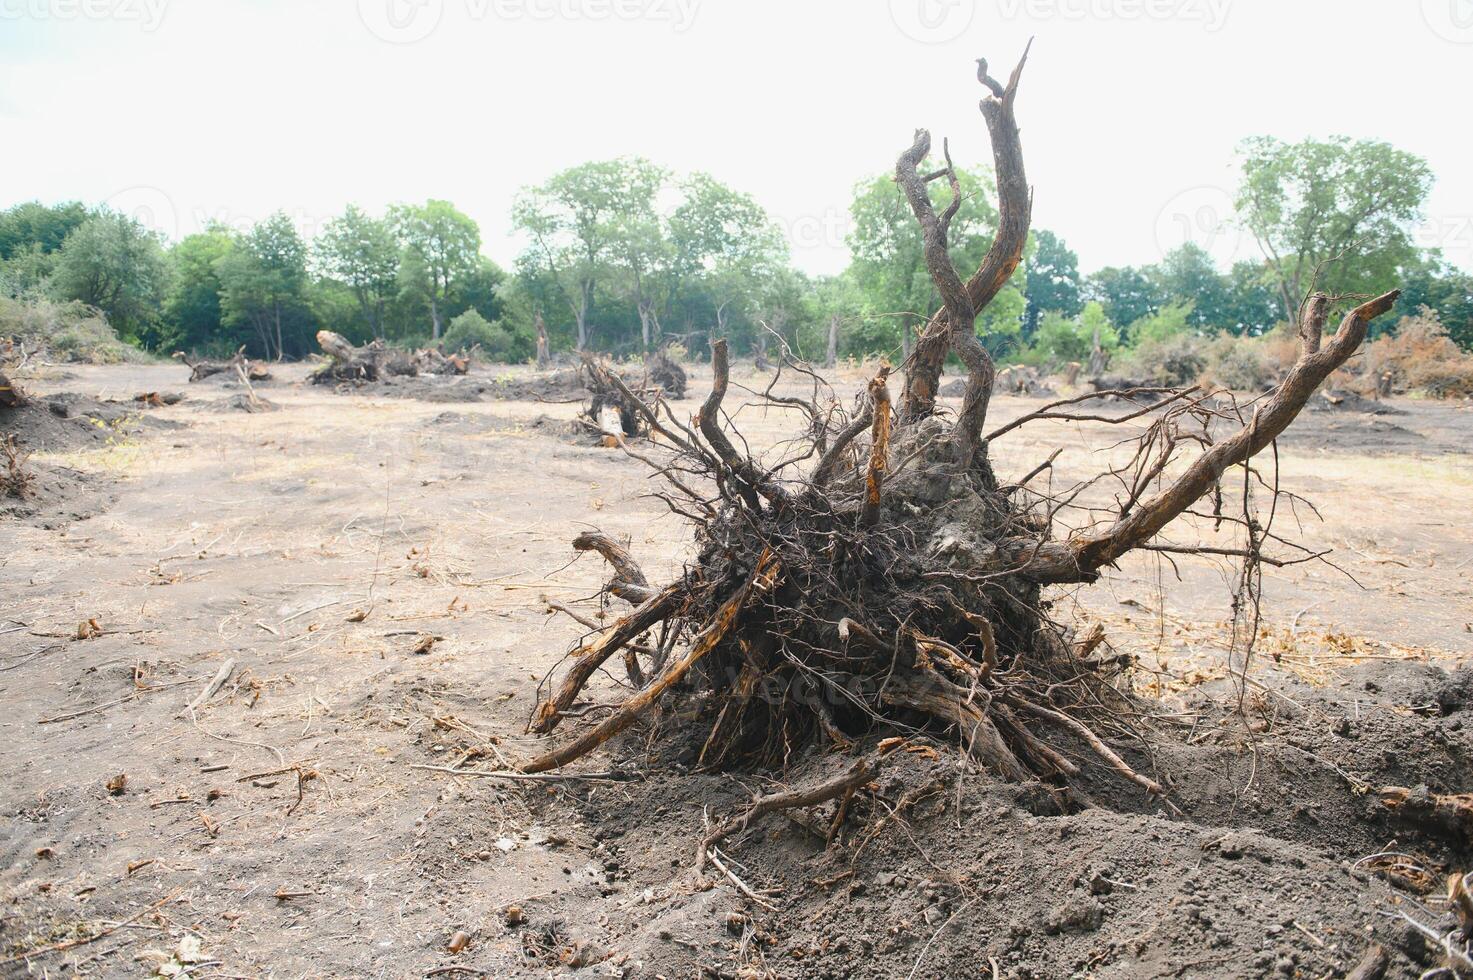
pixel 1079 558
pixel 1015 206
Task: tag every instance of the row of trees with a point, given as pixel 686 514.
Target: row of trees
pixel 265 286
pixel 623 255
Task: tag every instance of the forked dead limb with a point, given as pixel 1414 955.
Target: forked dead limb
pixel 1079 558
pixel 1015 207
pixel 629 582
pixel 661 606
pixel 762 581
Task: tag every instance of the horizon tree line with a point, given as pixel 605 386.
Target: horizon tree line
pixel 624 255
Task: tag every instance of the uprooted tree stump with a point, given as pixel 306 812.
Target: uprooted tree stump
pixel 238 366
pixel 613 410
pixel 376 361
pixel 881 578
pixel 662 371
pixel 15 479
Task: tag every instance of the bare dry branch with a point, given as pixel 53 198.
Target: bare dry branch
pixel 1079 558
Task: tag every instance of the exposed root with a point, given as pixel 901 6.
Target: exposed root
pixel 1446 815
pixel 856 592
pixel 841 786
pixel 762 581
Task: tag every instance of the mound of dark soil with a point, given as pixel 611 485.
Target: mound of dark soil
pixel 565 385
pixel 1352 434
pixel 574 433
pixel 475 423
pixel 1270 870
pixel 561 386
pixel 68 421
pixel 57 495
pixel 953 389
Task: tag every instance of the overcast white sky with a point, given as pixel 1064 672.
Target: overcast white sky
pixel 187 110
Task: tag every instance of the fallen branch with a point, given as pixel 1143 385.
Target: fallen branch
pixel 762 580
pixel 210 689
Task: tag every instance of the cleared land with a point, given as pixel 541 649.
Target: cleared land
pixel 379 569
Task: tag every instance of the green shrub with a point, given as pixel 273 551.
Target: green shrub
pixel 1060 339
pixel 1176 360
pixel 1241 364
pixel 1168 322
pixel 470 329
pixel 70 331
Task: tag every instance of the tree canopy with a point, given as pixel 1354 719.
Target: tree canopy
pixel 1332 214
pixel 624 255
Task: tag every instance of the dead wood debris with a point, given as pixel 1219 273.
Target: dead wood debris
pixel 15 479
pixel 238 365
pixel 1444 814
pixel 11 394
pixel 377 361
pixel 899 586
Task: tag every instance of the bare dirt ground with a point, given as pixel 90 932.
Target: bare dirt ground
pixel 378 569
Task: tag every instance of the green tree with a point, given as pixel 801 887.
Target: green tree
pixel 1433 283
pixel 264 286
pixel 642 253
pixel 113 263
pixel 33 225
pixel 27 271
pixel 31 234
pixel 1062 339
pixel 1052 280
pixel 572 222
pixel 725 243
pixel 441 246
pixel 889 257
pixel 1188 273
pixel 1126 293
pixel 1252 308
pixel 361 252
pixel 1331 214
pixel 479 290
pixel 1172 320
pixel 193 319
pixel 836 325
